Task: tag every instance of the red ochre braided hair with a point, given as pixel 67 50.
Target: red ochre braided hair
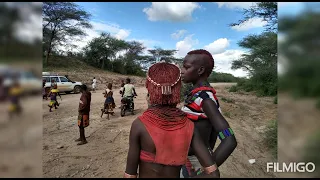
pixel 164 84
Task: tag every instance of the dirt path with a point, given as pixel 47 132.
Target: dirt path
pixel 298 120
pixel 21 141
pixel 105 154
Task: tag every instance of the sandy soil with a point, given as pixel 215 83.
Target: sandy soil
pixel 21 141
pixel 298 120
pixel 106 152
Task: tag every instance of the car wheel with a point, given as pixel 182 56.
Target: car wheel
pixel 76 89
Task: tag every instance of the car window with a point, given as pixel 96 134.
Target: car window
pixel 56 79
pixel 47 79
pixel 63 79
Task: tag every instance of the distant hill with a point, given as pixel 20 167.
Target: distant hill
pixel 80 71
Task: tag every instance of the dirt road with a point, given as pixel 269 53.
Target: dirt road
pixel 106 152
pixel 21 141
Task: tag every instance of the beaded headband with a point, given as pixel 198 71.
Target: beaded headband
pixel 165 88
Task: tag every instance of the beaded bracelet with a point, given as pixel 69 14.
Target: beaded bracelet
pixel 225 133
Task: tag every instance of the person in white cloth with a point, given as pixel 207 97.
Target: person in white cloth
pixel 94 84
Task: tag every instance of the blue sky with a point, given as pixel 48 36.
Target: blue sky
pixel 181 26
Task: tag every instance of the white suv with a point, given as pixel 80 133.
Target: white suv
pixel 64 84
pixel 29 82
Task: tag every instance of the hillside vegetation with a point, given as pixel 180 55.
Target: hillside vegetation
pixel 80 71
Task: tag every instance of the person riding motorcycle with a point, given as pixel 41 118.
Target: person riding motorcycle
pixel 129 92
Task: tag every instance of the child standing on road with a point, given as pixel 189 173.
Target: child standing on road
pixel 84 111
pixel 109 103
pixel 94 84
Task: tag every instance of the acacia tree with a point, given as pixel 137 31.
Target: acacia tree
pixel 162 54
pixel 261 59
pixel 11 17
pixel 8 18
pixel 103 49
pixel 62 20
pixel 134 49
pixel 301 49
pixel 268 11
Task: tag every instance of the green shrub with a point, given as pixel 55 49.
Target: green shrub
pixel 311 152
pixel 275 100
pixel 233 88
pixel 271 137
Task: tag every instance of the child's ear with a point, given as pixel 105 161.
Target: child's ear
pixel 201 70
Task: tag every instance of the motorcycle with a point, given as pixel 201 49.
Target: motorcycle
pixel 127 104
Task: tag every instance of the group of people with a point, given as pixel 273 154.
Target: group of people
pixel 167 142
pixel 126 90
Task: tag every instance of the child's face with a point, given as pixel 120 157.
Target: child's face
pixel 189 70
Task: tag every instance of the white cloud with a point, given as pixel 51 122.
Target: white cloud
pixel 223 58
pixel 218 46
pixel 223 62
pixel 178 34
pixel 171 11
pixel 121 53
pixel 122 34
pixel 236 5
pixel 250 24
pixel 185 45
pixel 111 28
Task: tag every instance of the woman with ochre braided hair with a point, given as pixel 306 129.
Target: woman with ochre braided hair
pixel 161 137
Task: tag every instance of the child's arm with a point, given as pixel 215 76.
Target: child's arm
pixel 134 151
pixel 204 157
pixel 219 123
pixel 49 94
pixel 83 103
pixel 134 91
pixel 122 93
